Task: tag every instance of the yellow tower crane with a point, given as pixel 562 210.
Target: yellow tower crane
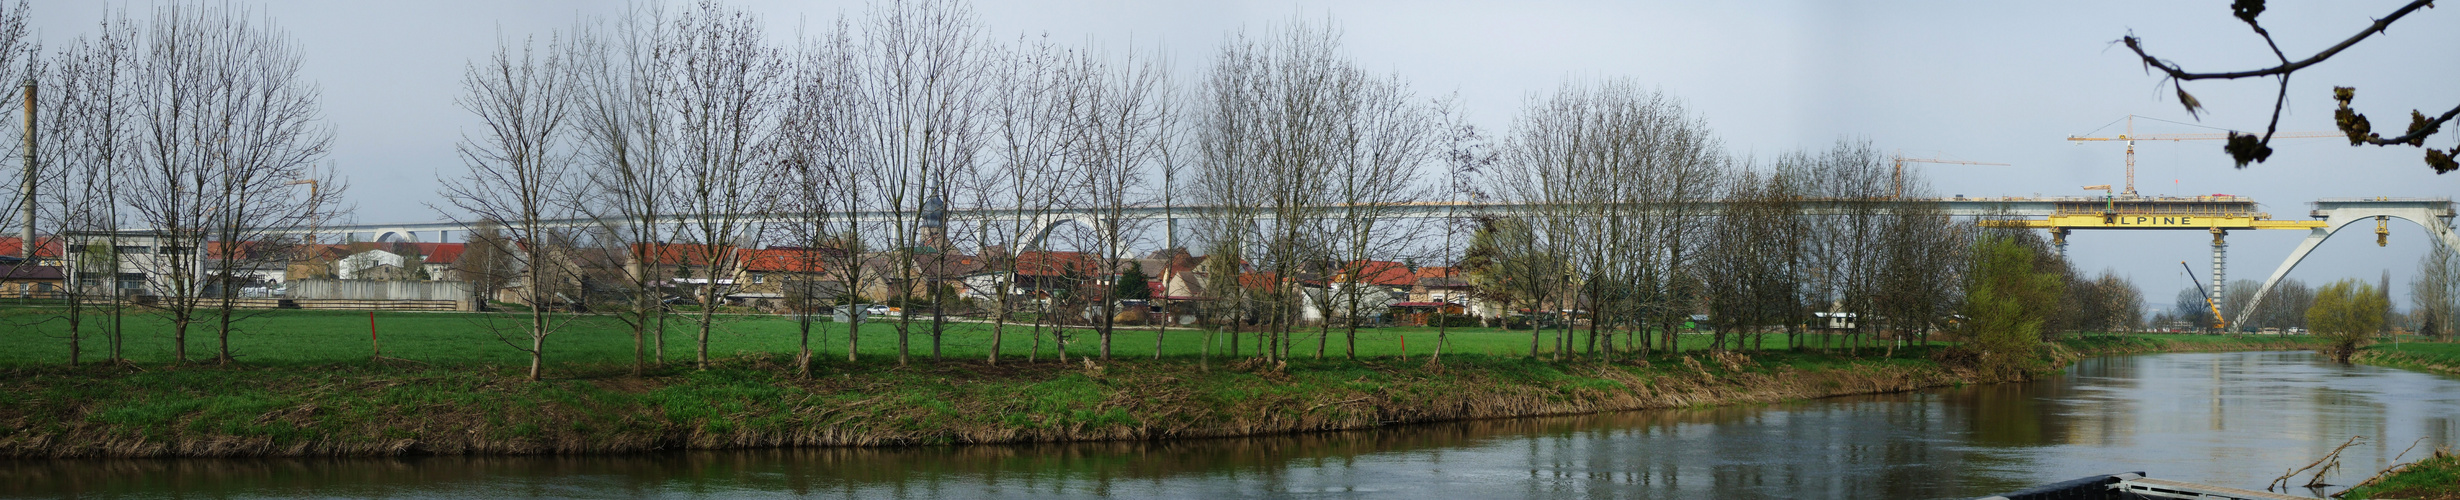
pixel 2131 137
pixel 1898 179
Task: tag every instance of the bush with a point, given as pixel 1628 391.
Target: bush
pixel 2006 303
pixel 1451 320
pixel 2346 314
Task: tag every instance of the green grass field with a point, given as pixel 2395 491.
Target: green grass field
pixel 37 335
pixel 2445 352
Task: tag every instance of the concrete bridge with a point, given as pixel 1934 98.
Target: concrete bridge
pixel 1092 217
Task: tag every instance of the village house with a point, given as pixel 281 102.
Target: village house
pixel 40 276
pixel 1042 277
pixel 1375 285
pixel 777 276
pixel 30 281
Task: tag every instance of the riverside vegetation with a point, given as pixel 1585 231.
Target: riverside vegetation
pixel 304 386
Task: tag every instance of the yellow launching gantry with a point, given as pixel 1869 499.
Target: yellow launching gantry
pixel 2217 214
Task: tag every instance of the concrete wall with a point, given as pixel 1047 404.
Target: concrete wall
pixel 379 290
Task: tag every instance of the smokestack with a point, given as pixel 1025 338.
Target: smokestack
pixel 25 243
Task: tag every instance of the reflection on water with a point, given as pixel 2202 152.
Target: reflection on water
pixel 2235 419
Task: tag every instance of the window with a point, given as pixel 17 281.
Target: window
pixel 130 249
pixel 760 278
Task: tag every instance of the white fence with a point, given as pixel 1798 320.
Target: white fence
pixel 379 290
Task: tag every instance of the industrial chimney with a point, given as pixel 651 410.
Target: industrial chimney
pixel 25 242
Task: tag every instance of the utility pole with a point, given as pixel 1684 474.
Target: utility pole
pixel 25 241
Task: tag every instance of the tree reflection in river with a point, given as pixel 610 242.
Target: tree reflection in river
pixel 2234 419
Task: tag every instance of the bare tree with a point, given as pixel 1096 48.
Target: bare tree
pixel 1268 129
pixel 728 86
pixel 2435 292
pixel 1921 253
pixel 920 65
pixel 1845 253
pixel 1467 153
pixel 622 114
pixel 1608 165
pixel 226 125
pixel 1752 271
pixel 2255 148
pixel 1028 121
pixel 1387 135
pixel 826 190
pixel 1507 264
pixel 83 129
pixel 1113 120
pixel 1229 129
pixel 519 175
pixel 18 59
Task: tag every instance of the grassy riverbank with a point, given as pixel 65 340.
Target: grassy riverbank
pixel 2432 357
pixel 2433 478
pixel 305 392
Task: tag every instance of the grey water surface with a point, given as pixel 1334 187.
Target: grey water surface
pixel 2233 419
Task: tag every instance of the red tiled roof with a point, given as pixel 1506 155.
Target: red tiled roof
pixel 785 260
pixel 1438 272
pixel 1377 272
pixel 1259 280
pixel 442 253
pixel 1057 264
pixel 668 254
pixel 45 247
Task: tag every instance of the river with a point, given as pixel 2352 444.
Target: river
pixel 2232 419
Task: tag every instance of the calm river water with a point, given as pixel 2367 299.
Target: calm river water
pixel 2235 419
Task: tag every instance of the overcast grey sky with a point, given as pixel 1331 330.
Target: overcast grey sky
pixel 1988 81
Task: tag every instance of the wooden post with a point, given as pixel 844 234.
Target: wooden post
pixel 371 335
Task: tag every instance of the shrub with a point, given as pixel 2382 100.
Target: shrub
pixel 1451 320
pixel 2006 303
pixel 2346 314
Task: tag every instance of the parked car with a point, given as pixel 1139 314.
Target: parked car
pixel 858 312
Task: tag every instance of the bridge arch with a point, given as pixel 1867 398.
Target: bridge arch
pixel 1044 224
pixel 396 235
pixel 2435 219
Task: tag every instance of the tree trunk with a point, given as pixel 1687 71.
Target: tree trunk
pixel 538 337
pixel 999 326
pixel 854 333
pixel 708 313
pixel 802 360
pixel 538 356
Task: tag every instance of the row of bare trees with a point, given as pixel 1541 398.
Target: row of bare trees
pixel 1304 157
pixel 192 121
pixel 662 126
pixel 880 146
pixel 694 137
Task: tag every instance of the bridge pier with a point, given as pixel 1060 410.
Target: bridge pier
pixel 2058 241
pixel 2220 271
